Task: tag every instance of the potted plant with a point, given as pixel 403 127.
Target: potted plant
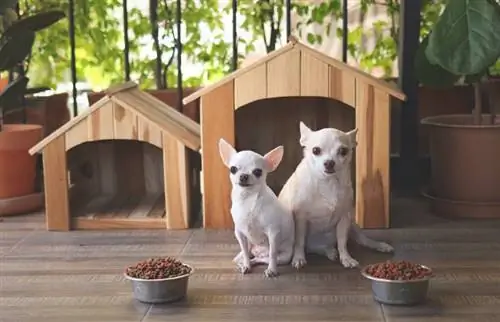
pixel 464 149
pixel 159 280
pixel 17 167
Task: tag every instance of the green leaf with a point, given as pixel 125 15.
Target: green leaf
pixel 429 74
pixel 466 38
pixel 311 38
pixel 35 22
pixel 15 50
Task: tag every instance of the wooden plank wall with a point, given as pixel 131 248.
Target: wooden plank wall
pixel 56 186
pixel 113 122
pixel 373 156
pixel 217 119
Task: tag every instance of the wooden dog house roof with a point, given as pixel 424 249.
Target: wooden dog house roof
pixel 296 46
pixel 147 107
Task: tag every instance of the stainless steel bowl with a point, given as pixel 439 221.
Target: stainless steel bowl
pixel 162 290
pixel 399 292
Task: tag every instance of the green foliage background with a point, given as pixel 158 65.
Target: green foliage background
pixel 99 38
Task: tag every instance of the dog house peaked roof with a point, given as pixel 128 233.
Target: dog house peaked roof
pixel 107 119
pixel 255 81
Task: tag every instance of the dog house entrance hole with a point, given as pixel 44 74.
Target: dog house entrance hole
pixel 116 181
pixel 265 124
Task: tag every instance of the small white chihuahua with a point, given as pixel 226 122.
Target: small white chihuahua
pixel 263 227
pixel 320 195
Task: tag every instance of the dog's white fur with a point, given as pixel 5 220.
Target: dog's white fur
pixel 322 203
pixel 263 227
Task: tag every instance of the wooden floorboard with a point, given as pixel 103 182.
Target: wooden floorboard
pixel 77 275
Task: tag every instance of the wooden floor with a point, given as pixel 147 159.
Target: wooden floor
pixel 77 276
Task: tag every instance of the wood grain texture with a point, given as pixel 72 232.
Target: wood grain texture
pixel 149 132
pixel 342 86
pixel 100 124
pixel 372 157
pixel 250 86
pixel 314 76
pixel 56 185
pixel 217 117
pixel 78 276
pixel 77 135
pixel 124 123
pixel 283 75
pixel 176 183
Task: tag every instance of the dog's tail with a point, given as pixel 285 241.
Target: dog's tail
pixel 360 237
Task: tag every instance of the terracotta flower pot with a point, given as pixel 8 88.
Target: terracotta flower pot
pixel 465 165
pixel 18 168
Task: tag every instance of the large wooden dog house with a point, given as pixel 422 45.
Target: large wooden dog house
pixel 120 164
pixel 299 70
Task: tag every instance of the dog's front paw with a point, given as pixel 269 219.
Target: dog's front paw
pixel 332 254
pixel 348 262
pixel 271 272
pixel 385 248
pixel 299 261
pixel 244 268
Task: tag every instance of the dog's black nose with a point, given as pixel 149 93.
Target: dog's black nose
pixel 244 178
pixel 329 164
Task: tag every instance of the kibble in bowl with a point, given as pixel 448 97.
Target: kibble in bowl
pixel 159 279
pixel 398 282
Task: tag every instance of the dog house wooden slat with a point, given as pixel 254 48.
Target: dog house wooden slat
pixel 217 111
pixel 176 183
pixel 101 123
pixel 299 70
pixel 117 181
pixel 55 185
pixel 285 81
pixel 168 121
pixel 314 76
pixel 342 86
pixel 250 86
pixel 372 155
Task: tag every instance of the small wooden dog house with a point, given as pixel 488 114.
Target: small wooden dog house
pixel 292 71
pixel 120 164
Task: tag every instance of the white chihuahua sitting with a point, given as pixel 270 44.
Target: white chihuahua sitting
pixel 263 227
pixel 320 195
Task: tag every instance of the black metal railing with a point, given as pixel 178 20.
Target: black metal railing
pixel 178 45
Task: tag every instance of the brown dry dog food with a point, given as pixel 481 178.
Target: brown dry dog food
pixel 398 270
pixel 158 268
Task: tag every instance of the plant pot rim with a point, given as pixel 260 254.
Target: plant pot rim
pixel 427 194
pixel 384 280
pixel 161 279
pixel 437 121
pixel 21 127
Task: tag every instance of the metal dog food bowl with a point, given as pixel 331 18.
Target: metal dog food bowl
pixel 161 290
pixel 397 292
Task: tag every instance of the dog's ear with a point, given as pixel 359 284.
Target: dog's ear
pixel 304 133
pixel 273 158
pixel 226 151
pixel 352 137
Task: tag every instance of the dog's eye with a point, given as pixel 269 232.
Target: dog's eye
pixel 257 173
pixel 233 169
pixel 343 151
pixel 316 150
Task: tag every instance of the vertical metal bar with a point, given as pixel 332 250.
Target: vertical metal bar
pixel 288 12
pixel 345 30
pixel 235 34
pixel 178 17
pixel 73 53
pixel 408 45
pixel 126 47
